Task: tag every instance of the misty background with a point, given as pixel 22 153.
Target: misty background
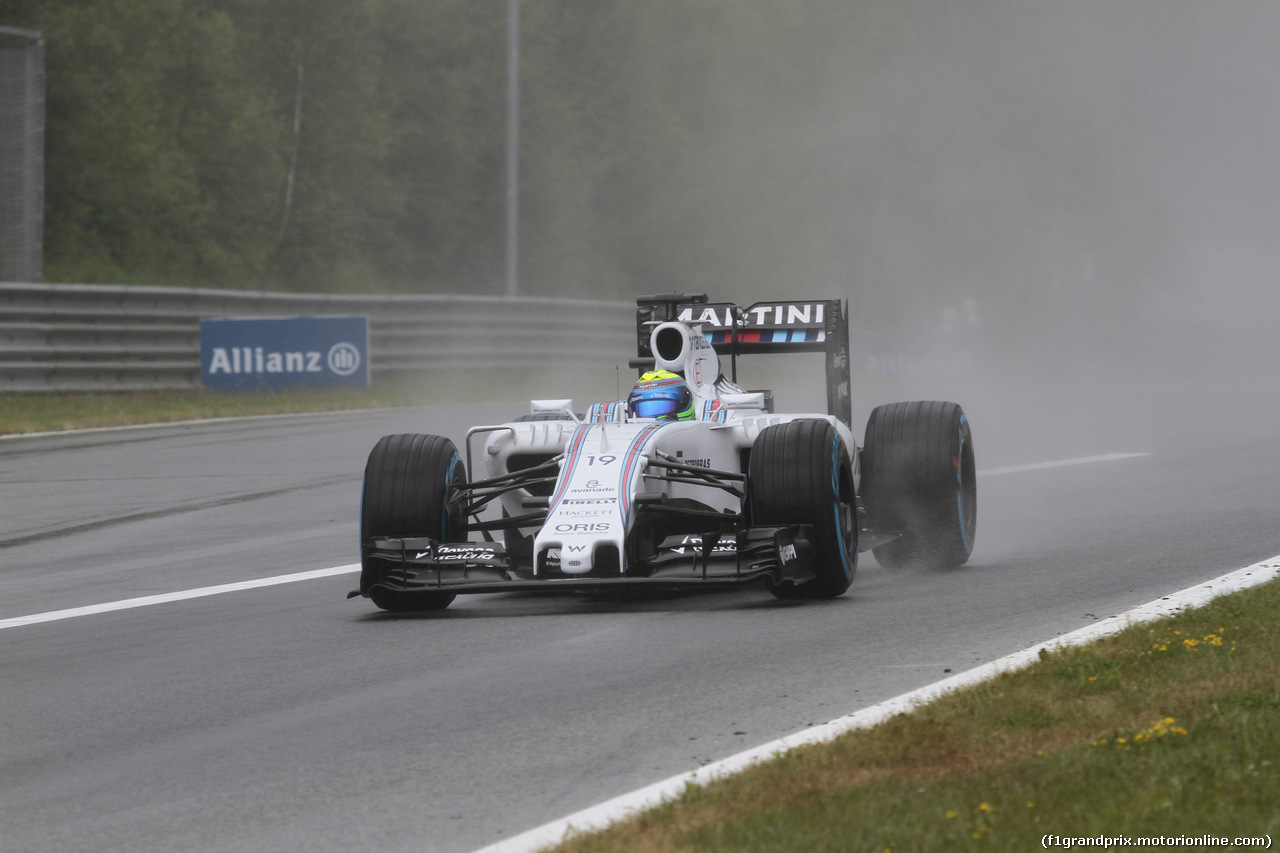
pixel 1078 192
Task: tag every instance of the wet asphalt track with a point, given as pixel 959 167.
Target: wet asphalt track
pixel 288 718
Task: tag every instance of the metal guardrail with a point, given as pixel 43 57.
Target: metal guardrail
pixel 82 337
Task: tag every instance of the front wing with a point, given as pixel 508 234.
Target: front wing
pixel 772 555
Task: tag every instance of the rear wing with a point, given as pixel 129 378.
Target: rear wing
pixel 794 325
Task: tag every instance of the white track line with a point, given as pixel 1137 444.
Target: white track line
pixel 190 422
pixel 165 598
pixel 619 808
pixel 1061 463
pixel 599 816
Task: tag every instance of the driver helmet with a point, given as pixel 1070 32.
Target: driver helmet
pixel 661 394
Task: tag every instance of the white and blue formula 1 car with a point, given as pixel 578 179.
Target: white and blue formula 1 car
pixel 717 491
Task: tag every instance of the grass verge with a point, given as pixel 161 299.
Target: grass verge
pixel 25 413
pixel 39 412
pixel 1164 730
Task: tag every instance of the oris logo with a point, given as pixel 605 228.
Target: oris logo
pixel 597 527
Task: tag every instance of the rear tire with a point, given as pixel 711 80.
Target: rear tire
pixel 406 485
pixel 800 473
pixel 918 478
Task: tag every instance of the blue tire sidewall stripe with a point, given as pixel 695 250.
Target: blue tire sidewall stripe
pixel 835 503
pixel 964 526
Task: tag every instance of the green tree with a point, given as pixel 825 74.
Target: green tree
pixel 151 142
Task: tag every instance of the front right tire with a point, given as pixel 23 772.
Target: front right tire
pixel 800 473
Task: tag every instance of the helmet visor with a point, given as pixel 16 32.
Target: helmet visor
pixel 659 402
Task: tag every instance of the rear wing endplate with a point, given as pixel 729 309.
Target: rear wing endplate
pixel 783 326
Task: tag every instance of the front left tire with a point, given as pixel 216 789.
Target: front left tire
pixel 407 481
pixel 919 480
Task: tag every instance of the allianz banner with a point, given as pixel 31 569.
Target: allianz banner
pixel 281 353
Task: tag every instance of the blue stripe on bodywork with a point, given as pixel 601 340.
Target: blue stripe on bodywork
pixel 572 451
pixel 633 457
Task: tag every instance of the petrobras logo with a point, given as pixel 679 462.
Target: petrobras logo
pixel 464 553
pixel 694 544
pixel 702 462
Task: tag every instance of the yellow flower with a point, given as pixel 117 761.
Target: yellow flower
pixel 951 814
pixel 985 807
pixel 1030 804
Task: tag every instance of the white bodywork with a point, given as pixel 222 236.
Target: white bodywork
pixel 608 455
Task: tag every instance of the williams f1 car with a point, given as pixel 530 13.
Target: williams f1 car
pixel 691 481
